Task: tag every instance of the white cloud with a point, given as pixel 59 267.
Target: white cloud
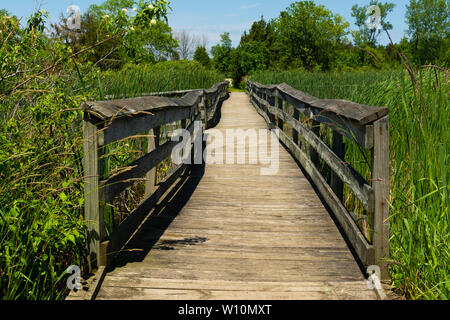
pixel 249 6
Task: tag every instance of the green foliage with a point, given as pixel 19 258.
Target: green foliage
pixel 253 56
pixel 37 21
pixel 366 36
pixel 43 82
pixel 310 37
pixel 419 154
pixel 222 54
pixel 145 38
pixel 429 29
pixel 308 34
pixel 260 31
pixel 41 195
pixel 201 55
pixel 236 72
pixel 135 80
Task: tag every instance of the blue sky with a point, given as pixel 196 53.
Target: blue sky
pixel 213 18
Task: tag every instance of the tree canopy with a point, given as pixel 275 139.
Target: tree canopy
pixel 368 36
pixel 429 29
pixel 307 34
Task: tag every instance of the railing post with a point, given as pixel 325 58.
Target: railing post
pixel 203 109
pixel 271 101
pixel 295 136
pixel 313 153
pixel 197 149
pixel 339 149
pixel 381 186
pixel 280 106
pixel 93 194
pixel 151 176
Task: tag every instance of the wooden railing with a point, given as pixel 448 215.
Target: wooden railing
pixel 366 126
pixel 110 121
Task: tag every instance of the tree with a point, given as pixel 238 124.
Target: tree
pixel 186 44
pixel 368 36
pixel 236 72
pixel 258 46
pixel 253 56
pixel 307 35
pixel 222 53
pixel 201 55
pixel 144 39
pixel 429 29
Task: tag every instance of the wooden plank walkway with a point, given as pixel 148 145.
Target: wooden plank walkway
pixel 232 233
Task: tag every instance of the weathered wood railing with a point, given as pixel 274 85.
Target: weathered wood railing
pixel 366 126
pixel 106 122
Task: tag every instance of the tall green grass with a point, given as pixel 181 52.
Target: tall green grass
pixel 135 80
pixel 419 154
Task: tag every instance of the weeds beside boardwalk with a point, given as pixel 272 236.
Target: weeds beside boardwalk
pixel 419 154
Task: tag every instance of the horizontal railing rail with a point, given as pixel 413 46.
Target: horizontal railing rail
pixel 366 126
pixel 109 121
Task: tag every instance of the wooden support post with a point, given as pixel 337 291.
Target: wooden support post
pixel 339 149
pixel 313 153
pixel 279 105
pixel 381 186
pixel 93 207
pixel 151 176
pixel 197 148
pixel 295 136
pixel 271 101
pixel 183 125
pixel 205 103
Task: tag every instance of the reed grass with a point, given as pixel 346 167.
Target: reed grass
pixel 134 80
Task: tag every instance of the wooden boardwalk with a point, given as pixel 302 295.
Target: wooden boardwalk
pixel 228 232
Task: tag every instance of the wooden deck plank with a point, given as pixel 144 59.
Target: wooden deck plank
pixel 239 235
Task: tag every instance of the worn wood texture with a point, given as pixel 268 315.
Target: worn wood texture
pixel 347 109
pixel 345 117
pixel 335 181
pixel 138 169
pixel 93 169
pixel 362 190
pixel 108 109
pixel 380 176
pixel 228 232
pixel 150 178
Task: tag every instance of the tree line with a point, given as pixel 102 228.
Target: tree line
pixel 304 36
pixel 311 37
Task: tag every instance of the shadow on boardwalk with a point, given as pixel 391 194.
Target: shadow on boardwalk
pixel 160 219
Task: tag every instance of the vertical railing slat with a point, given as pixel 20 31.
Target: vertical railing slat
pixel 381 186
pixel 93 170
